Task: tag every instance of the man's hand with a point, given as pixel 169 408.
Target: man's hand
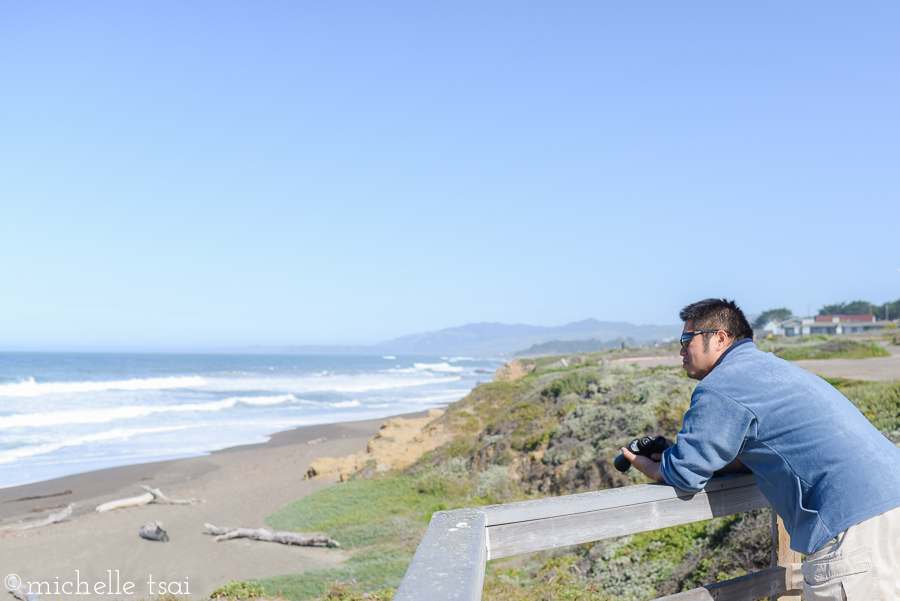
pixel 647 466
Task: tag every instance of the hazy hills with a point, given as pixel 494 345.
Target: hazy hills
pixel 491 339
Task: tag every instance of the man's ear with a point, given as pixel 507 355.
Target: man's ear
pixel 721 340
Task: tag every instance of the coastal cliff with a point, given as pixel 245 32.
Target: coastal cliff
pixel 546 426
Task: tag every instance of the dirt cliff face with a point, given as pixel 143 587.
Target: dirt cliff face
pixel 514 370
pixel 399 444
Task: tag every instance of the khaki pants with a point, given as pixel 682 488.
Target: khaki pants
pixel 862 563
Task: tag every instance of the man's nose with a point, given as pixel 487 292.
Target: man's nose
pixel 683 351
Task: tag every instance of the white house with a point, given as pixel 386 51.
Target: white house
pixel 825 324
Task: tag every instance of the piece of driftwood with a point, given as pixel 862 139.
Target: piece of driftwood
pixel 285 538
pixel 153 495
pixel 158 497
pixel 50 519
pixel 33 497
pixel 154 531
pixel 122 503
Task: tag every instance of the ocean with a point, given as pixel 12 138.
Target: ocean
pixel 69 413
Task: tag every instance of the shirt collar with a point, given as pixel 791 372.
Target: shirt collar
pixel 731 348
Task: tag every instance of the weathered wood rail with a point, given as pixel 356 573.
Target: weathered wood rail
pixel 450 561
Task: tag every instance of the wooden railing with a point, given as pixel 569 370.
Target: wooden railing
pixel 450 561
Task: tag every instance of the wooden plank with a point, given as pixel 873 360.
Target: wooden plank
pixel 783 554
pixel 746 588
pixel 603 499
pixel 584 525
pixel 449 562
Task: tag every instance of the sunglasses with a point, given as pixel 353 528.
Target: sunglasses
pixel 688 336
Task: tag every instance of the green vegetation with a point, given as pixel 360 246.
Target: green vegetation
pixel 889 310
pixel 378 575
pixel 857 307
pixel 878 401
pixel 234 590
pixel 359 513
pixel 381 520
pixel 766 316
pixel 820 346
pixel 552 432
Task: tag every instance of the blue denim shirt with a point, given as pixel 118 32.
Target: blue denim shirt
pixel 818 461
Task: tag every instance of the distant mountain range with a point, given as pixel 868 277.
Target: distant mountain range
pixel 494 339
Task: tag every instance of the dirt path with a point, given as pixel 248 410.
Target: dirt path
pixel 880 369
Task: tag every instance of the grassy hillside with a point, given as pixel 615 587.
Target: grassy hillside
pixel 552 432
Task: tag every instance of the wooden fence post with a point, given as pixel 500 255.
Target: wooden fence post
pixel 783 554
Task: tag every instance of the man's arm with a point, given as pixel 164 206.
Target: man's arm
pixel 651 468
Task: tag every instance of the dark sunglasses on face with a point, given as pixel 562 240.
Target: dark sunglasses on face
pixel 688 336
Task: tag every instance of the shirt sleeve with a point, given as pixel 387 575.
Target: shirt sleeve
pixel 714 431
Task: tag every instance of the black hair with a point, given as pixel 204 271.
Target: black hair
pixel 717 314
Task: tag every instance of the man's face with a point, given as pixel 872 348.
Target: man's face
pixel 696 360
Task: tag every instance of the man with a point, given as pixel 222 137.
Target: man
pixel 831 476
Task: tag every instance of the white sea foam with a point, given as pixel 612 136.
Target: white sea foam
pixel 110 414
pixel 337 383
pixel 266 400
pixel 427 367
pixel 344 404
pixel 389 357
pixel 30 388
pixel 19 453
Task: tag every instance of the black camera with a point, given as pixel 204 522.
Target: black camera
pixel 645 446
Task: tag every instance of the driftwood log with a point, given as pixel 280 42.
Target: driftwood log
pixel 50 519
pixel 285 538
pixel 34 497
pixel 153 495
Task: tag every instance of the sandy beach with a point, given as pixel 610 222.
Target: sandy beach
pixel 241 486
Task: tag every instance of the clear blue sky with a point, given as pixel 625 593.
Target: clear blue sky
pixel 182 175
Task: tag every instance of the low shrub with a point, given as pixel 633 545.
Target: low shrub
pixel 235 590
pixel 839 348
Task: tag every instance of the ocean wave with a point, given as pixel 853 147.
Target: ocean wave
pixel 426 367
pixel 17 454
pixel 336 383
pixel 344 404
pixel 30 388
pixel 266 400
pixel 109 414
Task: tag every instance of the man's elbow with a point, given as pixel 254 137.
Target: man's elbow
pixel 690 485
